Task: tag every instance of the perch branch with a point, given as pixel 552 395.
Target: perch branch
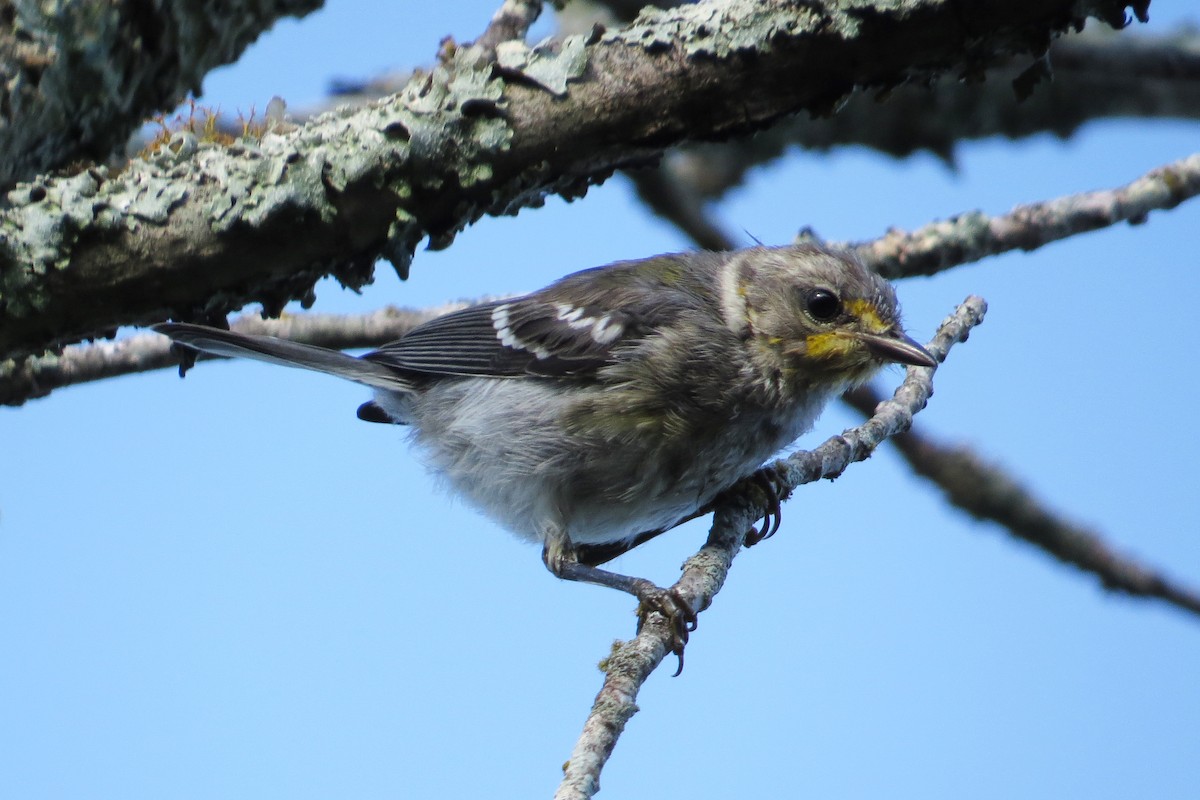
pixel 973 236
pixel 630 664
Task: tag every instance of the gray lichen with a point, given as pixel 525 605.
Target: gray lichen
pixel 441 134
pixel 717 30
pixel 77 78
pixel 200 227
pixel 546 64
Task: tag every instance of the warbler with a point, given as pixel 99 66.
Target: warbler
pixel 607 407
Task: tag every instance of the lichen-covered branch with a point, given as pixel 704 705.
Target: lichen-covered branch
pixel 975 235
pixel 631 663
pixel 201 229
pixel 1095 75
pixel 80 78
pixel 968 237
pixel 988 492
pixel 943 244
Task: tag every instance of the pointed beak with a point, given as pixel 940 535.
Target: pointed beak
pixel 898 347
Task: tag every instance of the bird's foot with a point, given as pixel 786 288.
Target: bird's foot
pixel 681 619
pixel 772 480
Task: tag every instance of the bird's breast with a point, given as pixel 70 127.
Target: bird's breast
pixel 526 454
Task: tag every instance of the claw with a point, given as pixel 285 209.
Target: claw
pixel 770 481
pixel 680 617
pixel 563 561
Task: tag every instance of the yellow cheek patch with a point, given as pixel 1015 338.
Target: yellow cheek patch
pixel 866 312
pixel 828 345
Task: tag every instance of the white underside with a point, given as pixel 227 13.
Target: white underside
pixel 500 444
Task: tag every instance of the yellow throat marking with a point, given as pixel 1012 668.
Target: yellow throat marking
pixel 828 345
pixel 835 344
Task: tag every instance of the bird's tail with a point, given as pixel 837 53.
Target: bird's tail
pixel 289 354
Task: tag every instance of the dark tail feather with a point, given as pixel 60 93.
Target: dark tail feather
pixel 373 412
pixel 288 354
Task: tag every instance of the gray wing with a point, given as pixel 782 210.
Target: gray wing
pixel 531 335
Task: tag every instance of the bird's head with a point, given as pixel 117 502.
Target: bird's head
pixel 817 318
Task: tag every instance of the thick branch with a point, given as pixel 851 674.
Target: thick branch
pixel 1096 75
pixel 80 78
pixel 631 663
pixel 987 492
pixel 941 244
pixel 202 229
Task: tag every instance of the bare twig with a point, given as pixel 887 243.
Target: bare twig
pixel 975 235
pixel 988 492
pixel 37 377
pixel 983 490
pixel 631 663
pixel 661 190
pixel 510 22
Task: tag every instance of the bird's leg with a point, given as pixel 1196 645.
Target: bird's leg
pixel 560 559
pixel 771 479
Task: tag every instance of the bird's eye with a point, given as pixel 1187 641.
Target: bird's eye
pixel 823 305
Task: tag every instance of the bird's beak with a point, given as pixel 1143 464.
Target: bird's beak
pixel 898 347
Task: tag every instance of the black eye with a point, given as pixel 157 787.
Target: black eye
pixel 823 305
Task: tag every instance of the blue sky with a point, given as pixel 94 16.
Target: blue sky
pixel 230 587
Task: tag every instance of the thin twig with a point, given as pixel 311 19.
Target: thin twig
pixel 988 492
pixel 661 190
pixel 511 21
pixel 631 663
pixel 37 377
pixel 975 235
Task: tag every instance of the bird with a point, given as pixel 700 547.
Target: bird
pixel 609 406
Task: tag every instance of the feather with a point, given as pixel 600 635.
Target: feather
pixel 289 354
pixel 509 338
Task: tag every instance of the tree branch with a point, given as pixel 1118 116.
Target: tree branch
pixel 200 229
pixel 982 490
pixel 933 248
pixel 39 376
pixel 631 663
pixel 988 492
pixel 80 78
pixel 675 200
pixel 973 236
pixel 510 23
pixel 1096 75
